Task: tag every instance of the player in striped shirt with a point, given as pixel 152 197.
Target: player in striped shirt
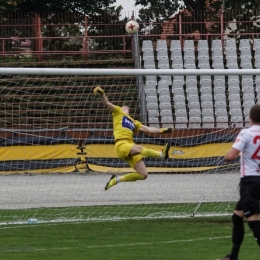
pixel 247 144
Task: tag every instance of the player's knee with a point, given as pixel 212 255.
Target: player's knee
pixel 145 176
pixel 237 220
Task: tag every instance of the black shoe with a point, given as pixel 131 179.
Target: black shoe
pixel 165 151
pixel 111 182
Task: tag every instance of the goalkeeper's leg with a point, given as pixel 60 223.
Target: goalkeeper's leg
pixel 140 174
pixel 138 149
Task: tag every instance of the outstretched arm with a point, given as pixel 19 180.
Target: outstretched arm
pixel 231 154
pixel 154 130
pixel 98 90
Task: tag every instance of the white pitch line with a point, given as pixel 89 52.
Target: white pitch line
pixel 122 245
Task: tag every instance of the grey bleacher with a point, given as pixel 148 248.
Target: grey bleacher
pixel 217 101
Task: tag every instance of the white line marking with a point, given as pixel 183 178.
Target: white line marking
pixel 118 245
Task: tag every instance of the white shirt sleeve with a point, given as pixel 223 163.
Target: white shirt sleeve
pixel 240 141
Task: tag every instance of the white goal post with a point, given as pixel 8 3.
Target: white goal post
pixel 57 149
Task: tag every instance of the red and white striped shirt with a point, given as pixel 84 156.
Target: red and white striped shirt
pixel 248 143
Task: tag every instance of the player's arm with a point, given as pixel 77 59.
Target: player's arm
pixel 155 130
pixel 99 91
pixel 231 154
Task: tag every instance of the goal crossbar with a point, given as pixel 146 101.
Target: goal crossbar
pixel 125 72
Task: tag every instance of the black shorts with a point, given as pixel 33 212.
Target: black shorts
pixel 249 196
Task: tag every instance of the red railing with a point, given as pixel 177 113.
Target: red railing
pixel 30 37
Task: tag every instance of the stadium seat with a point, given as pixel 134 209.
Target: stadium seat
pixel 149 63
pixel 147 44
pixel 188 44
pixel 205 83
pixel 216 44
pixel 206 98
pixel 206 91
pixel 194 105
pixel 166 113
pixel 245 52
pixel 208 122
pixel 230 43
pixel 190 83
pixel 248 90
pixel 207 112
pixel 151 99
pixel 176 53
pixel 191 78
pixel 217 53
pixel 246 60
pixel 234 105
pixel 203 62
pixel 221 122
pixel 177 62
pixel 245 65
pixel 233 91
pixel 178 91
pixel 217 62
pixel 221 112
pixel 167 121
pixel 163 62
pixel 178 98
pixel 179 105
pixel 175 44
pixel 154 122
pixel 189 62
pixel 232 52
pixel 193 98
pixel 164 91
pixel 177 84
pixel 161 44
pixel 181 122
pixel 150 85
pixel 194 112
pixel 207 105
pixel 249 98
pixel 220 104
pixel 153 113
pixel 151 93
pixel 244 43
pixel 189 53
pixel 152 106
pixel 148 52
pixel 162 84
pixel 232 62
pixel 151 78
pixel 237 121
pixel 191 91
pixel 219 82
pixel 165 99
pixel 220 97
pixel 257 61
pixel 219 90
pixel 165 106
pixel 203 53
pixel 181 113
pixel 162 53
pixel 203 44
pixel 256 44
pixel 194 122
pixel 233 98
pixel 248 104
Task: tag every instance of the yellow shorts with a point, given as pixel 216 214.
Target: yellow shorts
pixel 123 148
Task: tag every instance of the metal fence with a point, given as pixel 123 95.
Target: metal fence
pixel 49 37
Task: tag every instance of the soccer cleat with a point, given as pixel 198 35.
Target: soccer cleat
pixel 165 151
pixel 112 182
pixel 227 258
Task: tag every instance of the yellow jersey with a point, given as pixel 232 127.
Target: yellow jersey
pixel 124 125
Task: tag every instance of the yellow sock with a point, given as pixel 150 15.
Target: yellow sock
pixel 150 153
pixel 134 176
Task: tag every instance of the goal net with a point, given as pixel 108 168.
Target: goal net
pixel 57 147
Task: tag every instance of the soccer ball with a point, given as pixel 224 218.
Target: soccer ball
pixel 132 27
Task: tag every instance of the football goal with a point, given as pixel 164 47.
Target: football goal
pixel 57 147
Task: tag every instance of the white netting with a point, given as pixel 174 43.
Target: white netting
pixel 52 123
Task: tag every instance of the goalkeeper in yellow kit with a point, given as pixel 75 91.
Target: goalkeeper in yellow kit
pixel 125 148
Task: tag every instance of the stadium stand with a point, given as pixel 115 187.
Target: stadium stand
pixel 222 101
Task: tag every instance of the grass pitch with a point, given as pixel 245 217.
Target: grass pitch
pixel 183 239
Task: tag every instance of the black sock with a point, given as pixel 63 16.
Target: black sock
pixel 255 227
pixel 237 235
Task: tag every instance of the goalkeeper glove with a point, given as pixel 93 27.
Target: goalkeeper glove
pixel 166 130
pixel 99 90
